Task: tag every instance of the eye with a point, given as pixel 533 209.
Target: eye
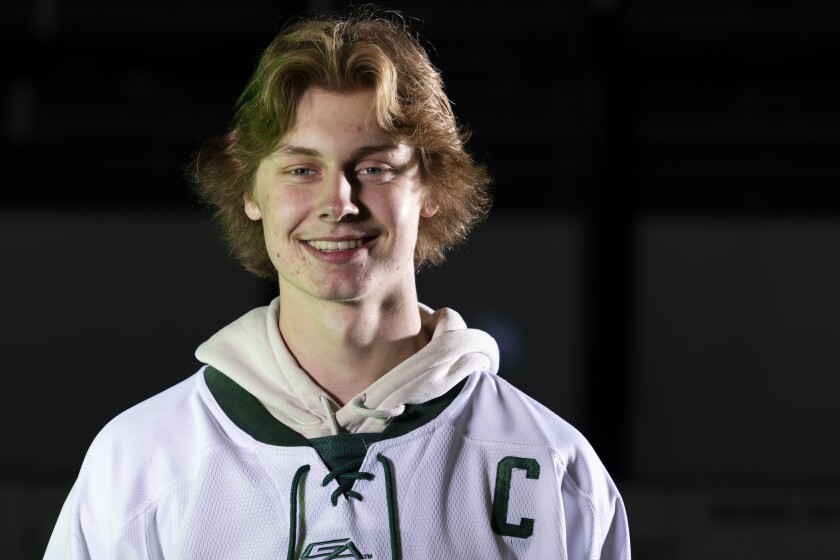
pixel 301 173
pixel 375 174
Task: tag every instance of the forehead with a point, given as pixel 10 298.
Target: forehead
pixel 348 111
pixel 333 122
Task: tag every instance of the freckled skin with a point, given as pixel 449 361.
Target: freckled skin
pixel 324 203
pixel 348 315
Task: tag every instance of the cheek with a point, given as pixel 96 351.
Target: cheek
pixel 277 229
pixel 283 213
pixel 403 210
pixel 405 222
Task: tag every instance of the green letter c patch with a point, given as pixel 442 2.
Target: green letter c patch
pixel 498 520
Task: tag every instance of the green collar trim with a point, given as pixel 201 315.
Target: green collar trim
pixel 249 414
pixel 416 415
pixel 342 449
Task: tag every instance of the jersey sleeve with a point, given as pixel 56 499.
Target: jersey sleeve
pixel 65 543
pixel 595 517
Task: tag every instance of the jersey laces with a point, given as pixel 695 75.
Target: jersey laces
pixel 346 475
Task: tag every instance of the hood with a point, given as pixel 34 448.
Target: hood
pixel 252 353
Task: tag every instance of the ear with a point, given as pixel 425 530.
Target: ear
pixel 429 209
pixel 251 208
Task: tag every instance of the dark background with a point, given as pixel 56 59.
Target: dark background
pixel 661 266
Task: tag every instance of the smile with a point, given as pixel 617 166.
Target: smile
pixel 329 246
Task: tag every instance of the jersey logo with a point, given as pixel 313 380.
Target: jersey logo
pixel 337 548
pixel 501 499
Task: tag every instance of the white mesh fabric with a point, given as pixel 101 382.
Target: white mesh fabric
pixel 174 478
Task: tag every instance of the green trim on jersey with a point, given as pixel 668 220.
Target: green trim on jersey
pixel 249 415
pixel 340 450
pixel 416 415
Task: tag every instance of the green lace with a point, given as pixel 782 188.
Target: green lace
pixel 392 513
pixel 346 476
pixel 290 555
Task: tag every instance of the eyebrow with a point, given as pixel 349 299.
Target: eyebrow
pixel 369 150
pixel 364 151
pixel 289 150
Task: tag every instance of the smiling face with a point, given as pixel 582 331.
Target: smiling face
pixel 340 203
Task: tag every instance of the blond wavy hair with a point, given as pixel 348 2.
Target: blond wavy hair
pixel 368 50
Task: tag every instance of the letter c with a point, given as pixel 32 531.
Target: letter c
pixel 501 499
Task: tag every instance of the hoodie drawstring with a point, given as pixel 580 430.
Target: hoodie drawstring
pixel 345 478
pixel 325 402
pixel 383 414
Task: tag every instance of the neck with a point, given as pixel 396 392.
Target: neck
pixel 346 346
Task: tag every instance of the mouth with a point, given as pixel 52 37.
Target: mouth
pixel 327 246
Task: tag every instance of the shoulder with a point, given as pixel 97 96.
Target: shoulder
pixel 163 420
pixel 149 448
pixel 493 409
pixel 495 412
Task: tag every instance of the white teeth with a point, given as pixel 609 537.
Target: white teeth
pixel 336 245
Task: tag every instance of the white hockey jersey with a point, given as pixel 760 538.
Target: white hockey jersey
pixel 205 471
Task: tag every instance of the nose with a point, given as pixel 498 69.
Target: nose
pixel 337 199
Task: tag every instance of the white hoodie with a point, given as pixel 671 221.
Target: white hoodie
pixel 252 353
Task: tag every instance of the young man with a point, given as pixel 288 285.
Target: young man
pixel 344 420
